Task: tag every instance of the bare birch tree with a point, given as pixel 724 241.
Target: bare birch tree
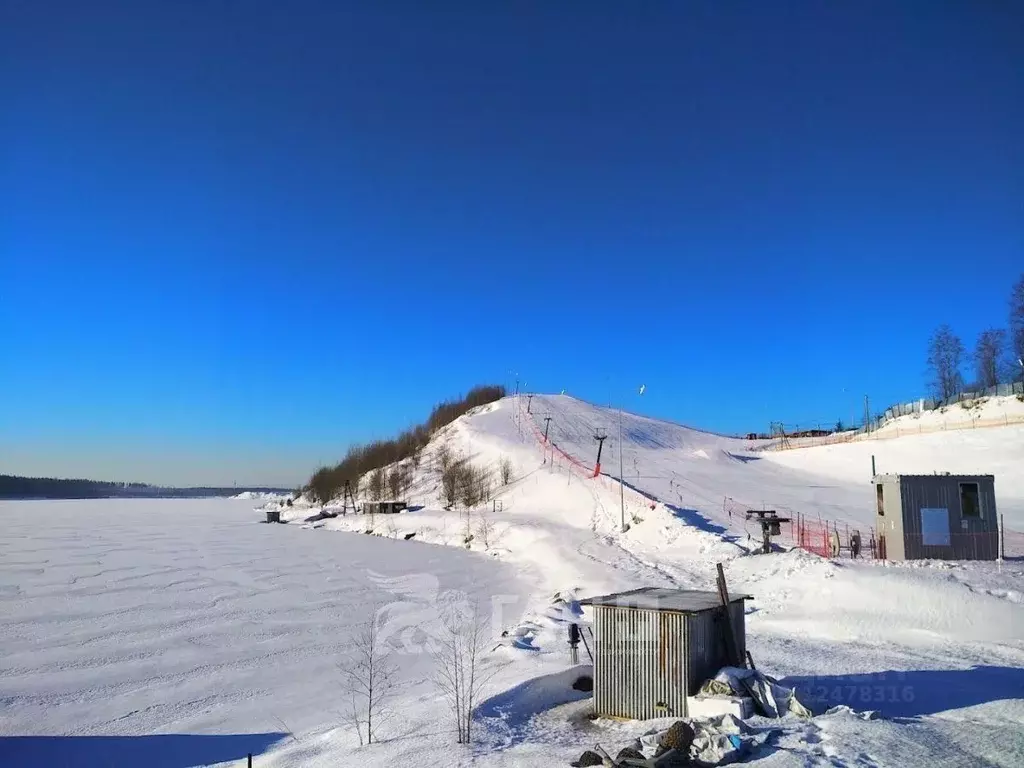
pixel 485 529
pixel 370 678
pixel 1017 322
pixel 945 354
pixel 505 468
pixel 988 354
pixel 458 673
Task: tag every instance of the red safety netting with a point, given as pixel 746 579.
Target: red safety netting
pixel 547 445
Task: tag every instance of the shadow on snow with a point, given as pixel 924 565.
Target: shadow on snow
pixel 687 515
pixel 911 694
pixel 153 751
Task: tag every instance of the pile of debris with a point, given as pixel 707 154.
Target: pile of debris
pixel 767 696
pixel 719 740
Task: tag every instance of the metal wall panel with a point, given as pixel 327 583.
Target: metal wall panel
pixel 647 662
pixel 971 538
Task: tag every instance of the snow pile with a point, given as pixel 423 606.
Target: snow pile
pixel 262 495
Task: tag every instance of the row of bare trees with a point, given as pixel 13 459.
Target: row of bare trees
pixel 394 483
pixel 997 353
pixel 371 676
pixel 465 483
pixel 328 482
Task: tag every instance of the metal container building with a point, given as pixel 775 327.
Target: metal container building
pixel 654 647
pixel 946 517
pixel 384 507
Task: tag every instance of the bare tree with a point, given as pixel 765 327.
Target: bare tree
pixel 474 485
pixel 469 486
pixel 395 482
pixel 375 485
pixel 945 354
pixel 457 653
pixel 505 468
pixel 369 681
pixel 445 456
pixel 323 486
pixel 988 353
pixel 451 477
pixel 405 480
pixel 1017 322
pixel 485 529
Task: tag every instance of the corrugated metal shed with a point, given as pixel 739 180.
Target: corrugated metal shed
pixel 941 516
pixel 654 647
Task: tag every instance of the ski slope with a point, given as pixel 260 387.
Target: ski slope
pixel 945 639
pixel 698 470
pixel 177 633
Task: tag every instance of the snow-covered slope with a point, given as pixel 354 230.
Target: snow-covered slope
pixel 232 627
pixel 942 643
pixel 698 470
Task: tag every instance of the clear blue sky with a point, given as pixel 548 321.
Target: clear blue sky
pixel 237 236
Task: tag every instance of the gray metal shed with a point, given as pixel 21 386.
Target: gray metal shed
pixel 654 647
pixel 384 507
pixel 946 517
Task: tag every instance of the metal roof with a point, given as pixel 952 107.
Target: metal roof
pixel 663 599
pixel 895 477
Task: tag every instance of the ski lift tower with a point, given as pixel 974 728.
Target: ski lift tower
pixel 770 526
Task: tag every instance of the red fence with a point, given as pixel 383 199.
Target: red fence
pixel 546 445
pixel 828 538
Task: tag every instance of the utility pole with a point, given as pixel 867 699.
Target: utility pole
pixel 547 423
pixel 622 490
pixel 867 415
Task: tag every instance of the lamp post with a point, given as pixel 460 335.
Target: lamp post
pixel 622 489
pixel 622 479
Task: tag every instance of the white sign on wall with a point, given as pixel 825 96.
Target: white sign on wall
pixel 934 527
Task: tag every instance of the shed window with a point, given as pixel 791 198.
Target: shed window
pixel 970 505
pixel 881 499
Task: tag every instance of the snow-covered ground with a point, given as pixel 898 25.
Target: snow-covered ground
pixel 133 620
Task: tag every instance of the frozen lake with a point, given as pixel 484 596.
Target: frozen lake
pixel 125 621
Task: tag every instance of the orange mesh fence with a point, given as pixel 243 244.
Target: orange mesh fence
pixel 546 445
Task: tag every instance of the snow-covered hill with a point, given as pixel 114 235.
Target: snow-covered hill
pixel 831 627
pixel 190 618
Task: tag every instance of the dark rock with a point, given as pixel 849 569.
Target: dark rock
pixel 587 758
pixel 625 752
pixel 679 736
pixel 583 683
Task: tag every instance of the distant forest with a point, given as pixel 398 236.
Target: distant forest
pixel 16 487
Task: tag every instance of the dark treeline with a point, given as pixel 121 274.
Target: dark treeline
pixel 17 487
pixel 328 482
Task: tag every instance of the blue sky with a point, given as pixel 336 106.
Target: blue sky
pixel 236 237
